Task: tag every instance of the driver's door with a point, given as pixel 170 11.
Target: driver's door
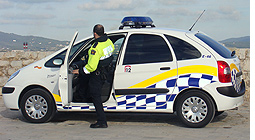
pixel 64 83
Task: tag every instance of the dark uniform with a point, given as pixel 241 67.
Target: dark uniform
pixel 100 55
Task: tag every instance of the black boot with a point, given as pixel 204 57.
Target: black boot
pixel 99 125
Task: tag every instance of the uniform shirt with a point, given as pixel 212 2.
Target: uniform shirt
pixel 100 50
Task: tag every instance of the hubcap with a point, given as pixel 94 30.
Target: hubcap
pixel 194 109
pixel 36 107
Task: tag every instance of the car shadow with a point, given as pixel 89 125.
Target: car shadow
pixel 220 117
pixel 127 117
pixel 114 117
pixel 120 118
pixel 13 115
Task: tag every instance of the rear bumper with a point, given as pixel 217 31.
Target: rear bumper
pixel 230 90
pixel 224 97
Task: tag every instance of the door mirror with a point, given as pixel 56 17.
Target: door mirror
pixel 58 62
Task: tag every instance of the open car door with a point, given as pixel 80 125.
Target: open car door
pixel 65 76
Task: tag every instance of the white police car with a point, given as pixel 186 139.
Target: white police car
pixel 154 70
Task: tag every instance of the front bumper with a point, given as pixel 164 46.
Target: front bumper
pixel 7 90
pixel 11 96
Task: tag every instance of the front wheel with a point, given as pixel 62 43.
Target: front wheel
pixel 195 108
pixel 37 106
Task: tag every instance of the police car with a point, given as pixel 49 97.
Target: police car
pixel 153 70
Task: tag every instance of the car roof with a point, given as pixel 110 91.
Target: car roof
pixel 152 30
pixel 169 31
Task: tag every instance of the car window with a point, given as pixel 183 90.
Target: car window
pixel 117 40
pixel 76 47
pixel 63 54
pixel 220 49
pixel 145 48
pixel 182 49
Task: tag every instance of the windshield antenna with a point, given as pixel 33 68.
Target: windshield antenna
pixel 196 21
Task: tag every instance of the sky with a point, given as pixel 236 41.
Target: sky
pixel 59 19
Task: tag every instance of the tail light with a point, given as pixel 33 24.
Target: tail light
pixel 224 72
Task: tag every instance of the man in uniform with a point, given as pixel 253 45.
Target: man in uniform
pixel 100 54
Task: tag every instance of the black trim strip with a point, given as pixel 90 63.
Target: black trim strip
pixel 239 74
pixel 230 90
pixel 7 90
pixel 141 91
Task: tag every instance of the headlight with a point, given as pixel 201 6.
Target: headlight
pixel 13 75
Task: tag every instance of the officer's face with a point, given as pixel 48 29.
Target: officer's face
pixel 95 35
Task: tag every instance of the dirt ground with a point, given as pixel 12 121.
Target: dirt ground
pixel 231 125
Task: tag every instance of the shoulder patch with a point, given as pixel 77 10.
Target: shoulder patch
pixel 95 45
pixel 93 52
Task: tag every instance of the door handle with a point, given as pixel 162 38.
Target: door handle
pixel 165 68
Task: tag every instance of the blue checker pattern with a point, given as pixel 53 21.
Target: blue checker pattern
pixel 194 80
pixel 156 101
pixel 235 82
pixel 159 101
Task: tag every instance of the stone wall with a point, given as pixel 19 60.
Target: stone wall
pixel 244 56
pixel 12 61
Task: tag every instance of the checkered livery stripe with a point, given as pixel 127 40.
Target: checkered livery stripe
pixel 155 101
pixel 160 101
pixel 235 83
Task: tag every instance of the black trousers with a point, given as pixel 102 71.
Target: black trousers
pixel 95 90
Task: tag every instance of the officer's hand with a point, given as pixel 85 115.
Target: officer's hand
pixel 76 71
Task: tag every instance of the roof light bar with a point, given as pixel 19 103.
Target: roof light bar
pixel 136 22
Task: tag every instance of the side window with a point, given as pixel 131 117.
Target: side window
pixel 50 62
pixel 144 48
pixel 182 49
pixel 117 40
pixel 221 50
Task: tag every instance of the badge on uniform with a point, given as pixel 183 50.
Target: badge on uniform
pixel 93 52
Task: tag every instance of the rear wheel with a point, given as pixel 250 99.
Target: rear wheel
pixel 195 108
pixel 37 106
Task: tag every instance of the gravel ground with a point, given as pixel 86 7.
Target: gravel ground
pixel 231 125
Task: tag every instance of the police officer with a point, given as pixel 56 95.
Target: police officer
pixel 100 55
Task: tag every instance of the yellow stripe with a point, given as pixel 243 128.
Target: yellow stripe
pixel 198 69
pixel 233 66
pixel 183 70
pixel 117 96
pixel 155 79
pixel 57 97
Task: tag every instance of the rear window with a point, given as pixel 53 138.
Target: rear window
pixel 221 50
pixel 182 49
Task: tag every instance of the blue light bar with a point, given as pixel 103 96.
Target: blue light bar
pixel 136 22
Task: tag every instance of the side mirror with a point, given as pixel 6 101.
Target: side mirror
pixel 58 62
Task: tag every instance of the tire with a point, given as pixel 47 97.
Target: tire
pixel 37 106
pixel 195 108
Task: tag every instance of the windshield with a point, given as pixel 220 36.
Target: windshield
pixel 216 46
pixel 76 47
pixel 62 54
